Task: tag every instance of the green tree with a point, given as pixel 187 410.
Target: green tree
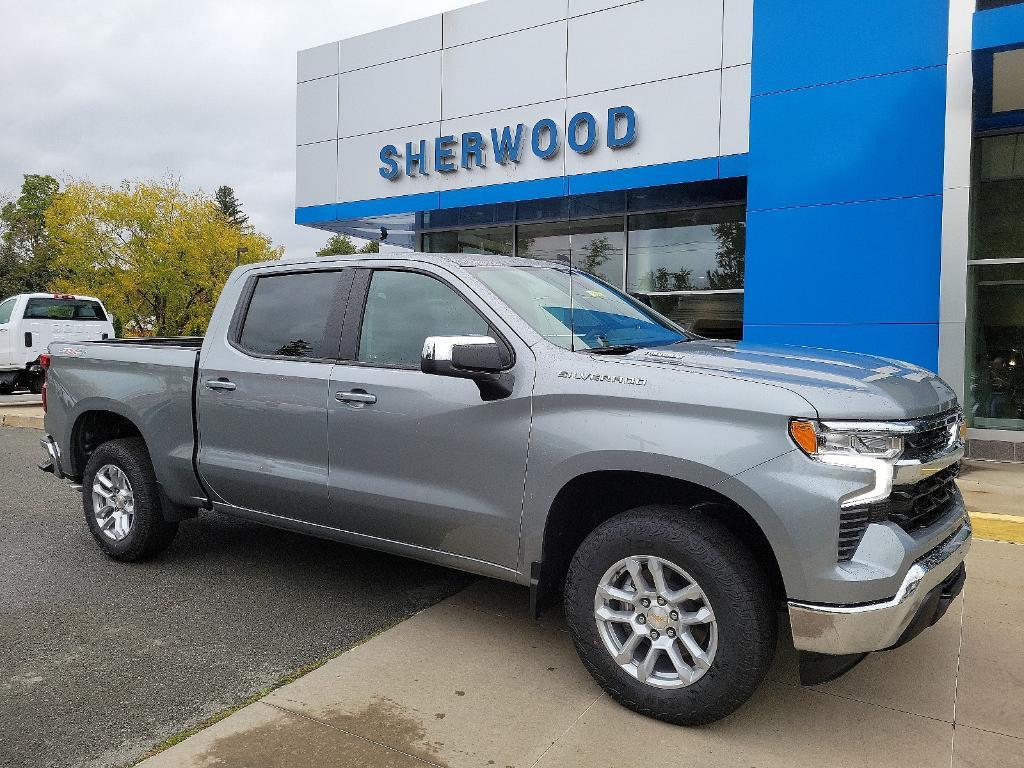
pixel 342 245
pixel 156 255
pixel 663 281
pixel 732 249
pixel 230 206
pixel 26 254
pixel 595 255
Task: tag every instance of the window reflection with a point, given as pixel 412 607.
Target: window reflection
pixel 494 241
pixel 995 309
pixel 689 266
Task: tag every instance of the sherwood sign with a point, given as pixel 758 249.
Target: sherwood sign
pixel 449 153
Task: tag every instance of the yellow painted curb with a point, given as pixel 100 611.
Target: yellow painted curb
pixel 998 527
pixel 16 420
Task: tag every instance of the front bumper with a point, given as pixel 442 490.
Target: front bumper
pixel 853 629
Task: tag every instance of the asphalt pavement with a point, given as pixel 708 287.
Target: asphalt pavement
pixel 99 660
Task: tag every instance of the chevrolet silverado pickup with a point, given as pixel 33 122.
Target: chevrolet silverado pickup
pixel 526 421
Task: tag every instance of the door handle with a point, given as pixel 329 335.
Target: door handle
pixel 356 396
pixel 220 384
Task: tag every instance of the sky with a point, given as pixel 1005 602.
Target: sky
pixel 198 90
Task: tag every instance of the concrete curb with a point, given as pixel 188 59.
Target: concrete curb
pixel 20 420
pixel 998 527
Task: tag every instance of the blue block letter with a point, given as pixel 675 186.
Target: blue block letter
pixel 545 126
pixel 505 148
pixel 578 121
pixel 419 159
pixel 472 150
pixel 390 168
pixel 615 114
pixel 444 155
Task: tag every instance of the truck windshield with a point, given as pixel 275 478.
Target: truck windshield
pixel 583 313
pixel 63 309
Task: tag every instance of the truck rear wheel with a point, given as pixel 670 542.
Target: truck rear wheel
pixel 671 614
pixel 121 501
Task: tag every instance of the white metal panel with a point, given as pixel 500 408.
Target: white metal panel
pixel 961 25
pixel 498 17
pixel 662 137
pixel 392 95
pixel 663 38
pixel 738 31
pixel 359 161
pixel 317 62
pixel 959 121
pixel 316 110
pixel 736 110
pixel 579 7
pixel 316 168
pixel 529 167
pixel 518 69
pixel 402 41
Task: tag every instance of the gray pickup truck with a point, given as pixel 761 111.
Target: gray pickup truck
pixel 529 422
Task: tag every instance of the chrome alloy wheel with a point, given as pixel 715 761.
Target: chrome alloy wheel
pixel 656 621
pixel 113 502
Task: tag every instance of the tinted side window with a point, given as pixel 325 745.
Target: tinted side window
pixel 5 311
pixel 288 315
pixel 403 309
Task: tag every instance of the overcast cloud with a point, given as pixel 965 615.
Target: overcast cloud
pixel 130 89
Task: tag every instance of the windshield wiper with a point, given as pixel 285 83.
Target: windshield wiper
pixel 614 349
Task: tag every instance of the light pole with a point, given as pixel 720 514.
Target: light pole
pixel 238 254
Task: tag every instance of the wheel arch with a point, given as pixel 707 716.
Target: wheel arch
pixel 590 498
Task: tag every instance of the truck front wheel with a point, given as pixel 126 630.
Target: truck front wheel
pixel 121 501
pixel 671 614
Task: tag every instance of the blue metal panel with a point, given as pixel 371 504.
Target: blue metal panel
pixel 503 193
pixel 559 186
pixel 382 206
pixel 310 214
pixel 872 262
pixel 731 166
pixel 800 43
pixel 914 343
pixel 999 27
pixel 879 137
pixel 645 176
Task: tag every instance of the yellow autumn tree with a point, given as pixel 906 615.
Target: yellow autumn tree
pixel 156 255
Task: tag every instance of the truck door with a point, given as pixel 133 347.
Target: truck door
pixel 6 312
pixel 420 459
pixel 262 394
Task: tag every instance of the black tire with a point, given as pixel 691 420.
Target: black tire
pixel 35 385
pixel 736 587
pixel 150 534
pixel 6 389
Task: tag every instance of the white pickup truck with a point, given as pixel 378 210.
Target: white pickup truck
pixel 30 321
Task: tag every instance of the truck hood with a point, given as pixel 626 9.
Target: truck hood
pixel 839 385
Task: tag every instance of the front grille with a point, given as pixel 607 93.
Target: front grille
pixel 911 507
pixel 919 505
pixel 936 435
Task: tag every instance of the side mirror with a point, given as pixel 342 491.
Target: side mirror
pixel 479 358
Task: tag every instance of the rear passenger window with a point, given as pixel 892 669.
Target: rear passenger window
pixel 287 315
pixel 63 309
pixel 403 309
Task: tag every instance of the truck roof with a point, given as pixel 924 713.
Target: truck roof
pixel 41 295
pixel 453 259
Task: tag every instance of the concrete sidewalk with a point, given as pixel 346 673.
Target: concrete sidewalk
pixel 473 681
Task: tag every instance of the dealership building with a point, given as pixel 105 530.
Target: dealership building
pixel 826 173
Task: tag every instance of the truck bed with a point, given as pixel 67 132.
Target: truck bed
pixel 150 382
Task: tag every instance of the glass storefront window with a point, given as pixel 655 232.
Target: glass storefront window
pixel 495 241
pixel 597 246
pixel 549 242
pixel 995 303
pixel 688 265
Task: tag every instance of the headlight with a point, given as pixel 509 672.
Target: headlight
pixel 818 440
pixel 853 445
